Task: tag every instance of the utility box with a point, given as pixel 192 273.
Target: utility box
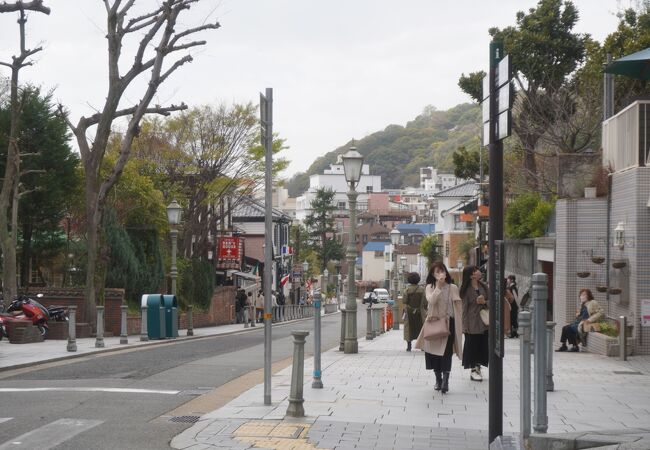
pixel 171 316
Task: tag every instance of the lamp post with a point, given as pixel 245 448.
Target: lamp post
pixel 394 240
pixel 352 164
pixel 402 262
pixel 174 218
pixel 305 268
pixel 459 266
pixel 326 277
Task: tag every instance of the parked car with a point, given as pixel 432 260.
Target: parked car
pixel 382 295
pixel 369 298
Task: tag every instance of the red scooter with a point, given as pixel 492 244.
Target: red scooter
pixel 25 308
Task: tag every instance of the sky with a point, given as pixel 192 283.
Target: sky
pixel 339 69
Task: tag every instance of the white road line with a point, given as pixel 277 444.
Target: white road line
pixel 5 419
pixel 90 389
pixel 50 435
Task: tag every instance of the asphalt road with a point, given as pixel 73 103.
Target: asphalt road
pixel 116 400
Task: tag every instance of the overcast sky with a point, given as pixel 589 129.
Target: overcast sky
pixel 338 68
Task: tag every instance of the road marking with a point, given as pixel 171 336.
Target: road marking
pixel 50 435
pixel 90 389
pixel 5 419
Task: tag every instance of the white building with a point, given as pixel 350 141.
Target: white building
pixel 373 261
pixel 431 180
pixel 334 179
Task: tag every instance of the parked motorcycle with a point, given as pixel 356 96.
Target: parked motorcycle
pixel 25 308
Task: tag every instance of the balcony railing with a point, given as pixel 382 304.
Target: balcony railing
pixel 626 137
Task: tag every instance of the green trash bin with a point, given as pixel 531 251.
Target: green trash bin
pixel 171 315
pixel 155 316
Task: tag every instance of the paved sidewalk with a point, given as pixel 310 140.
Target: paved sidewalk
pixel 383 397
pixel 15 356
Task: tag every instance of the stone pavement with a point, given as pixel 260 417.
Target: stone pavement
pixel 383 397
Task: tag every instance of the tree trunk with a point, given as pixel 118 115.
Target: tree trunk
pixel 26 256
pixel 93 219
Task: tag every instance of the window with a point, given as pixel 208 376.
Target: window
pixel 379 254
pixel 341 205
pixel 447 248
pixel 368 189
pixel 365 238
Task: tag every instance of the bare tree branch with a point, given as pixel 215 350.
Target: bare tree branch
pixel 35 5
pixel 163 111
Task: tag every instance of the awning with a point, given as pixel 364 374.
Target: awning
pixel 246 275
pixel 636 65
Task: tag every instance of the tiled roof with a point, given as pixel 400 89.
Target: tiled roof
pixel 375 246
pixel 423 228
pixel 462 190
pixel 250 208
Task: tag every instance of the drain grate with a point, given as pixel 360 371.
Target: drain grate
pixel 185 419
pixel 627 372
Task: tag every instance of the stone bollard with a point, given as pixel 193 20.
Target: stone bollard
pixel 144 334
pixel 253 316
pixel 622 338
pixel 99 341
pixel 72 328
pixel 524 374
pixel 369 336
pixel 376 321
pixel 124 338
pixel 550 332
pixel 190 320
pixel 342 343
pixel 540 297
pixel 296 400
pixel 395 315
pixel 317 382
pixel 246 324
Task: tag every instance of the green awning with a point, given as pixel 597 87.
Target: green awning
pixel 636 65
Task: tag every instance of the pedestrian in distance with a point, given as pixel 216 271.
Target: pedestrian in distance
pixel 474 294
pixel 443 302
pixel 240 304
pixel 415 309
pixel 509 296
pixel 590 311
pixel 259 307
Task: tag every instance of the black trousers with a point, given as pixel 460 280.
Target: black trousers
pixel 442 363
pixel 570 333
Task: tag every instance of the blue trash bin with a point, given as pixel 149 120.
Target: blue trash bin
pixel 155 316
pixel 171 316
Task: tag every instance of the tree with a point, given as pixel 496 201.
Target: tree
pixel 93 133
pixel 430 248
pixel 527 217
pixel 544 52
pixel 468 163
pixel 320 225
pixel 10 193
pixel 49 175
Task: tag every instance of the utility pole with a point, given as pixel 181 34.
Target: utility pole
pixel 266 122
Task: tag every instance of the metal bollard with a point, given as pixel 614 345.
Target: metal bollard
pixel 295 408
pixel 99 341
pixel 550 332
pixel 72 329
pixel 190 321
pixel 317 383
pixel 144 334
pixel 246 324
pixel 524 374
pixel 342 343
pixel 124 337
pixel 540 297
pixel 253 316
pixel 395 315
pixel 622 338
pixel 377 322
pixel 369 336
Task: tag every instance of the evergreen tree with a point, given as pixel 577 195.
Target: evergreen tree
pixel 320 225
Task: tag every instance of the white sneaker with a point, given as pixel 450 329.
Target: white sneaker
pixel 475 375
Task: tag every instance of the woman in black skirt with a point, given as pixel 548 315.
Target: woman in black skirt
pixel 443 302
pixel 474 294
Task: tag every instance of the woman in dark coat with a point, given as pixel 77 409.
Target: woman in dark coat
pixel 474 294
pixel 415 309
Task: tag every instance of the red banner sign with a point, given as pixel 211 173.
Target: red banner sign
pixel 228 255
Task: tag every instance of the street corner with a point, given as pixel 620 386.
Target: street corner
pixel 276 434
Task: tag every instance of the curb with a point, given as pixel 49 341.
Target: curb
pixel 141 345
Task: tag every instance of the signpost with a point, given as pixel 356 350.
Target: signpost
pixel 497 99
pixel 266 124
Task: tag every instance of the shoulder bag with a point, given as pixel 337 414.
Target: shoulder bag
pixel 436 328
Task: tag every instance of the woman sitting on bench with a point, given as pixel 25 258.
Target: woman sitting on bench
pixel 590 311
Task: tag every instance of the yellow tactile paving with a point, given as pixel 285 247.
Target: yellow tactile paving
pixel 278 436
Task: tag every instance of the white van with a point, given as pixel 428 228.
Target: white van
pixel 382 295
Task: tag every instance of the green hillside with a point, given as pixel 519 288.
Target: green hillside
pixel 397 152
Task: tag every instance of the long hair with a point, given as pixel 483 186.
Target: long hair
pixel 467 278
pixel 438 265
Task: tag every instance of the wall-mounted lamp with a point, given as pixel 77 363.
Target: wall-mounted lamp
pixel 619 235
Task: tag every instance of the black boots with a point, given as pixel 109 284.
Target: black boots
pixel 445 383
pixel 438 381
pixel 408 346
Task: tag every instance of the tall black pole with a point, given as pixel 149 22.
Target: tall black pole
pixel 495 397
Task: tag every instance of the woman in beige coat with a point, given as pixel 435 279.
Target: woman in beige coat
pixel 443 302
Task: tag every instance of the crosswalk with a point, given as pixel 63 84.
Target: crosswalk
pixel 50 435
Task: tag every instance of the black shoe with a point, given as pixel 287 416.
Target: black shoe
pixel 564 348
pixel 445 383
pixel 575 348
pixel 438 381
pixel 408 346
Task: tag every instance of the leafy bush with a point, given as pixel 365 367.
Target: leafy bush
pixel 527 217
pixel 608 329
pixel 429 248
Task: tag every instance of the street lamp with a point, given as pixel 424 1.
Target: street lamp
pixel 326 278
pixel 352 164
pixel 305 268
pixel 174 211
pixel 459 266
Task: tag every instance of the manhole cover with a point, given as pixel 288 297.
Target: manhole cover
pixel 185 419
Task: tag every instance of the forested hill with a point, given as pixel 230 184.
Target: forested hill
pixel 397 152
